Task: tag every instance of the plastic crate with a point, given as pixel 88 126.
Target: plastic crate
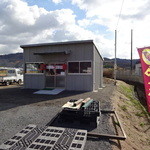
pixel 93 109
pixel 88 114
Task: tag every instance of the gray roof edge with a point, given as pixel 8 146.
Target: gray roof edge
pixel 57 43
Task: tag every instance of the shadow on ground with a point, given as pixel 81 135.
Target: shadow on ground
pixel 59 121
pixel 14 96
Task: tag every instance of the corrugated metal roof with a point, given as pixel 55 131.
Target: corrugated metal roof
pixel 56 43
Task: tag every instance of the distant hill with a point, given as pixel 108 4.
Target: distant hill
pixel 16 60
pixel 122 63
pixel 11 60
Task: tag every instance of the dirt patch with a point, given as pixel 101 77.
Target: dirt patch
pixel 134 118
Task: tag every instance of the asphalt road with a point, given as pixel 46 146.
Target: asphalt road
pixel 20 107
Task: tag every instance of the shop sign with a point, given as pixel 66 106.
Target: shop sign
pixel 62 66
pixel 50 67
pixel 144 54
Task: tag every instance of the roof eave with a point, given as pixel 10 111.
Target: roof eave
pixel 56 43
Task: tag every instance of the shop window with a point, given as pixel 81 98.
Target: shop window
pixel 60 69
pixel 85 67
pixel 79 67
pixel 73 67
pixel 34 68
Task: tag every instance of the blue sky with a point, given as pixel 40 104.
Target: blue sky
pixel 43 21
pixel 51 6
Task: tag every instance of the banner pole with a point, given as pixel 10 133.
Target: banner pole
pixel 131 49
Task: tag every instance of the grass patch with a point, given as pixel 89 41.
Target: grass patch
pixel 117 123
pixel 142 124
pixel 128 91
pixel 123 107
pixel 140 114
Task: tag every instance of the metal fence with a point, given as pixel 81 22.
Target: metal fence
pixel 129 75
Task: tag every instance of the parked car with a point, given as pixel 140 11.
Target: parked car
pixel 11 75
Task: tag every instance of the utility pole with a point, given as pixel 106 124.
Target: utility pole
pixel 115 62
pixel 131 49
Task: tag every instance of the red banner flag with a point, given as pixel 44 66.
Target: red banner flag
pixel 145 63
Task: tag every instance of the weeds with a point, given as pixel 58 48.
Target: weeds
pixel 142 124
pixel 140 114
pixel 117 123
pixel 123 107
pixel 108 73
pixel 128 91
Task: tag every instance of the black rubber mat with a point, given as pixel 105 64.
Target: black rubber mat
pixel 22 139
pixel 46 138
pixel 56 138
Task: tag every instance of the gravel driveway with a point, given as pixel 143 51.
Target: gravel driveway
pixel 20 107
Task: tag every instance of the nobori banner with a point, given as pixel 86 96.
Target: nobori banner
pixel 145 63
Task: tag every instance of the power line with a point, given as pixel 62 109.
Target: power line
pixel 120 13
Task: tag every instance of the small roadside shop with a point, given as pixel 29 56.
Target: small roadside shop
pixel 73 65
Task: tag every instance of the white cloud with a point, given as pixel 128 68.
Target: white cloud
pixel 135 15
pixel 24 24
pixel 56 1
pixel 20 24
pixel 84 23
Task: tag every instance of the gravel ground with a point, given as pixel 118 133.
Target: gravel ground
pixel 20 107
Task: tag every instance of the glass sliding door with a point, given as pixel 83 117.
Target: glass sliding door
pixel 50 75
pixel 55 75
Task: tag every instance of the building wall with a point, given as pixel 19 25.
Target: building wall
pixel 98 67
pixel 79 83
pixel 79 52
pixel 30 57
pixel 34 81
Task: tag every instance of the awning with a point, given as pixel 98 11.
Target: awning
pixel 53 52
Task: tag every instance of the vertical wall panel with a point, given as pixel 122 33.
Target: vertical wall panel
pixel 33 81
pixel 98 69
pixel 79 83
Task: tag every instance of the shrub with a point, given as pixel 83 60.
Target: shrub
pixel 108 73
